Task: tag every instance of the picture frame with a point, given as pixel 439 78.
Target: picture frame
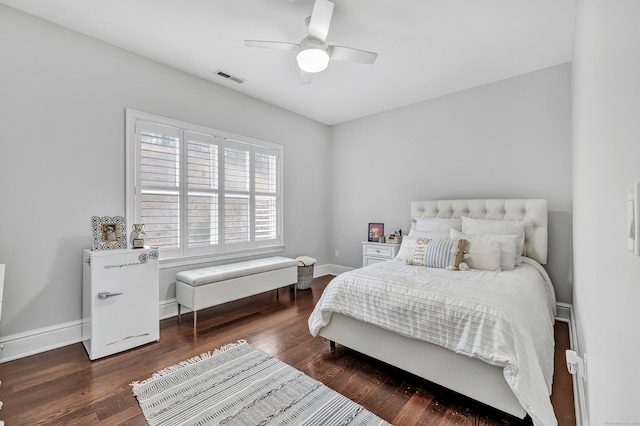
pixel 375 231
pixel 109 232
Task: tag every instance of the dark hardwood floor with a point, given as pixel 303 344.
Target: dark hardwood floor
pixel 62 387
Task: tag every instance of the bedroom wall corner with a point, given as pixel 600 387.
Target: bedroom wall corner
pixel 509 139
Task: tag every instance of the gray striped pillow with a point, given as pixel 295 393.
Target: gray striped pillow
pixel 445 253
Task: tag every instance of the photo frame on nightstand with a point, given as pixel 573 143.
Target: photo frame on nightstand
pixel 375 231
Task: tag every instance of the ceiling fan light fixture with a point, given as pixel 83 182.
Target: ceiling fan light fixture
pixel 312 56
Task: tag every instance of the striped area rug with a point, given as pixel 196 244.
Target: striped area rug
pixel 241 385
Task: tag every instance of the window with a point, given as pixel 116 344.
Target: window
pixel 202 192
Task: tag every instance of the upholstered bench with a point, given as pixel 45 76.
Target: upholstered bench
pixel 206 287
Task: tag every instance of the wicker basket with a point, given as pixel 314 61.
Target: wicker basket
pixel 305 277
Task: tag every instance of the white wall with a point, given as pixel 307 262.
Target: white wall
pixel 510 139
pixel 62 108
pixel 606 159
pixel 62 102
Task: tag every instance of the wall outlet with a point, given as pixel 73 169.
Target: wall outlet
pixel 337 253
pixel 575 364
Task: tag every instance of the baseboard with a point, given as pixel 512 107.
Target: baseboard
pixel 332 270
pixel 169 308
pixel 32 342
pixel 565 314
pixel 321 270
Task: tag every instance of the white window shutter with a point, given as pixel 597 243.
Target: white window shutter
pixel 202 192
pixel 237 202
pixel 202 202
pixel 266 186
pixel 160 184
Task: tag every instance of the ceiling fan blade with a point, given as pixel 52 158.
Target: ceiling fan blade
pixel 320 20
pixel 348 54
pixel 272 45
pixel 305 77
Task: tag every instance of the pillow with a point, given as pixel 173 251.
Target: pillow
pixel 444 253
pixel 407 246
pixel 483 254
pixel 497 227
pixel 437 224
pixel 507 245
pixel 434 235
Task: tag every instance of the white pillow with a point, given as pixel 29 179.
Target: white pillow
pixel 497 227
pixel 484 255
pixel 507 245
pixel 437 224
pixel 434 235
pixel 407 247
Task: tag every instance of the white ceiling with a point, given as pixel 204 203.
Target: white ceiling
pixel 426 48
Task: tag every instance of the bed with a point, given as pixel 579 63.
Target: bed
pixel 482 333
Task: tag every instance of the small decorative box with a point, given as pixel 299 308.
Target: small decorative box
pixel 394 239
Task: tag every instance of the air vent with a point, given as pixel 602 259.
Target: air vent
pixel 228 76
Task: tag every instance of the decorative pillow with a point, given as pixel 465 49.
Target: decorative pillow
pixel 434 235
pixel 407 246
pixel 444 254
pixel 497 227
pixel 507 245
pixel 483 254
pixel 437 224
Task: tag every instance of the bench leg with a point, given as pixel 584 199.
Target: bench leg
pixel 178 313
pixel 332 345
pixel 195 318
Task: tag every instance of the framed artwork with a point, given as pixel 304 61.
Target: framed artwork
pixel 109 232
pixel 376 230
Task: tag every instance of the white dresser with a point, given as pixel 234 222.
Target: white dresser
pixel 378 252
pixel 119 300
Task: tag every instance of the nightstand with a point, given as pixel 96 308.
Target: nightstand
pixel 378 252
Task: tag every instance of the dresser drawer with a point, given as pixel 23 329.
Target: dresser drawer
pixel 378 250
pixel 368 260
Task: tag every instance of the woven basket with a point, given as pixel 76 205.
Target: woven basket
pixel 305 277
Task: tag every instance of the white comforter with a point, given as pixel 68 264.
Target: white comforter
pixel 505 319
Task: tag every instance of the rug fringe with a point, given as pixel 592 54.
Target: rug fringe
pixel 182 364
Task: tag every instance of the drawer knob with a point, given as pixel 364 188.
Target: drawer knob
pixel 378 251
pixel 106 295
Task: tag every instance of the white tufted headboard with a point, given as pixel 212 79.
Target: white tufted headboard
pixel 532 211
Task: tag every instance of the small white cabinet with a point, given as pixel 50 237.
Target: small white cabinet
pixel 119 300
pixel 378 252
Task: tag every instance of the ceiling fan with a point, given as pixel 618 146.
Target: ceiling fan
pixel 313 53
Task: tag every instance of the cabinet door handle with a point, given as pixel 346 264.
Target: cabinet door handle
pixel 106 295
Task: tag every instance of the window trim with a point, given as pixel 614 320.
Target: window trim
pixel 133 184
